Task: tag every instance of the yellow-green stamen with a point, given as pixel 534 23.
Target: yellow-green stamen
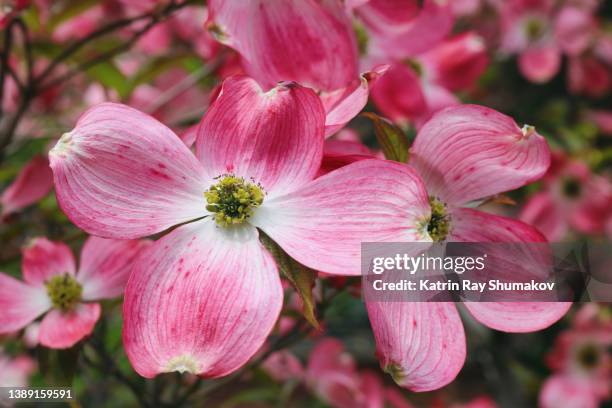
pixel 438 225
pixel 232 200
pixel 64 292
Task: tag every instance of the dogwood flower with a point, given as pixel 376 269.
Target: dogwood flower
pixel 15 371
pixel 463 154
pixel 205 296
pixel 54 286
pixel 310 42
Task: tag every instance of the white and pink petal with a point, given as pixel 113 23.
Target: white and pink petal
pixel 201 300
pixel 121 174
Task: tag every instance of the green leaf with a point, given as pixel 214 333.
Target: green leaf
pixel 301 277
pixel 391 138
pixel 109 75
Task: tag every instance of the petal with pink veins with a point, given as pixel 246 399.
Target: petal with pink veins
pixel 20 303
pixel 539 64
pixel 33 182
pixel 468 152
pixel 421 345
pixel 106 265
pixel 43 259
pixel 517 317
pixel 202 299
pixel 308 41
pixel 122 174
pixel 323 224
pixel 60 330
pixel 344 104
pixel 273 137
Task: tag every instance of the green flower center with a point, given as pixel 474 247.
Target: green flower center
pixel 415 66
pixel 571 187
pixel 534 29
pixel 588 356
pixel 233 199
pixel 438 224
pixel 64 292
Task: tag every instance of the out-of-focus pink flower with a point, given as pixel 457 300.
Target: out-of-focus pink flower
pixel 393 25
pixel 478 402
pixel 283 366
pixel 574 29
pixel 528 30
pixel 263 147
pixel 15 372
pixel 603 120
pixel 33 182
pixel 9 9
pixel 52 284
pixel 582 362
pixel 339 153
pixel 573 197
pixel 79 26
pixel 414 91
pixel 464 154
pixel 561 391
pixel 589 76
pixel 332 374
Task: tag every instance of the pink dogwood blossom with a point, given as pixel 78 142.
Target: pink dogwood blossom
pixel 204 297
pixel 33 182
pixel 15 372
pixel 310 42
pixel 572 197
pixel 582 363
pixel 413 91
pixel 332 374
pixel 53 285
pixel 463 154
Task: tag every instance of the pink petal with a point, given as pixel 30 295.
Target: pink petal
pixel 310 42
pixel 564 391
pixel 469 152
pixel 394 25
pixel 274 138
pixel 283 366
pixel 43 259
pixel 421 344
pixel 201 300
pixel 399 95
pixel 540 64
pixel 518 317
pixel 33 182
pixel 344 104
pixel 323 224
pixel 20 303
pixel 106 265
pixel 60 330
pixel 574 29
pixel 542 212
pixel 339 153
pixel 457 62
pixel 122 174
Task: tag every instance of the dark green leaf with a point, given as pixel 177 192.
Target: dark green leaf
pixel 301 277
pixel 391 138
